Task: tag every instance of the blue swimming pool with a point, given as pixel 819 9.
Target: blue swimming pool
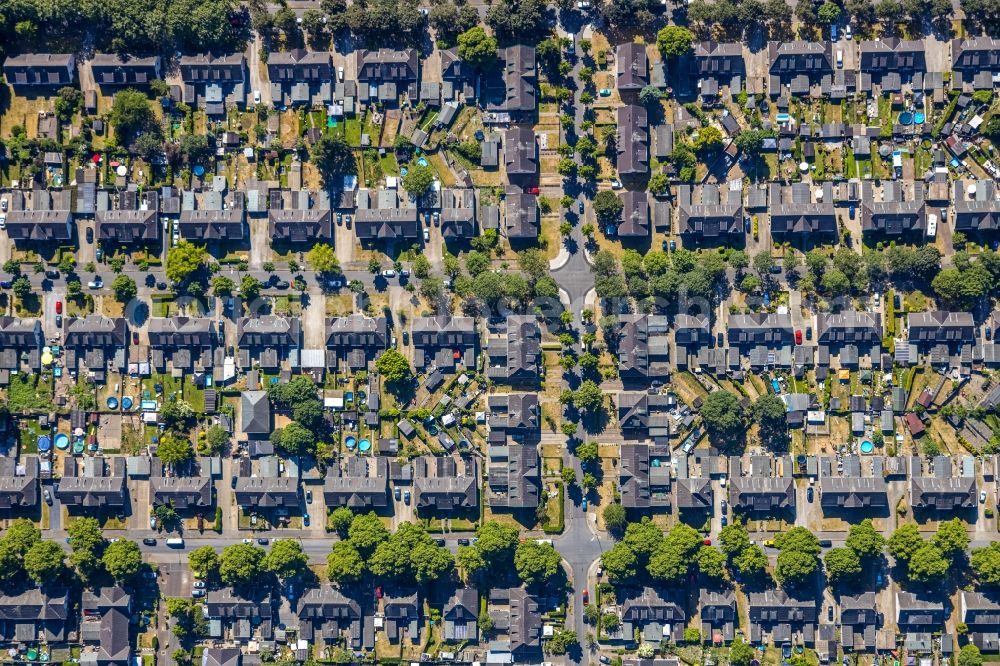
pixel 867 446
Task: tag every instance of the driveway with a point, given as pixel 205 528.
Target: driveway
pixel 343 243
pixel 314 322
pixel 260 246
pixel 86 252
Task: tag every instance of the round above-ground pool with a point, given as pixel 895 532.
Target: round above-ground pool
pixel 62 441
pixel 918 118
pixel 867 446
pixel 32 654
pixel 112 403
pixel 127 402
pixel 364 445
pixel 403 171
pixel 422 161
pixel 350 442
pixel 906 118
pixel 44 443
pixel 433 430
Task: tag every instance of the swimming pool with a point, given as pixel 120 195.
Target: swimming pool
pixel 350 442
pixel 867 446
pixel 905 118
pixel 364 445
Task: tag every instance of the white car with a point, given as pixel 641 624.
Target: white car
pixel 583 4
pixel 340 73
pixel 388 273
pixel 247 540
pixel 3 221
pixel 848 34
pixel 982 497
pixel 616 184
pixel 256 97
pixel 96 283
pixel 427 235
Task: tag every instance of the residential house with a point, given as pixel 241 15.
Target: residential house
pixel 18 483
pixel 362 483
pixel 520 154
pixel 633 141
pixel 21 342
pixel 763 490
pixel 719 617
pixel 385 74
pixel 181 492
pixel 943 491
pixel 514 356
pixel 643 347
pixel 300 77
pixel 918 614
pixel 631 68
pixel 859 619
pixel 129 217
pixel 774 612
pixel 355 341
pixel 214 83
pixel 513 414
pixel 443 342
pixel 695 494
pixel 104 628
pixel 765 338
pixel 266 340
pixel 635 215
pixel 299 216
pixel 445 483
pixel 458 213
pixel 514 475
pixel 100 486
pixel 941 333
pixel 976 206
pixel 185 343
pixel 36 70
pixel 893 216
pixel 643 415
pixel 644 476
pixel 974 62
pixel 111 70
pixel 716 65
pixel 517 624
pixel 709 220
pixel 39 216
pixel 206 216
pixel 401 608
pixel 849 335
pixel 521 221
pixel 268 491
pixel 327 616
pixel 853 492
pixel 458 77
pixel 36 615
pixel 891 62
pixel 980 612
pixel 795 67
pixel 94 344
pixel 460 616
pixel 656 615
pixel 242 616
pixel 692 331
pixel 388 217
pixel 255 414
pixel 801 212
pixel 513 94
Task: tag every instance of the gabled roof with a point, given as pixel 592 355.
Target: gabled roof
pixel 633 140
pixel 95 331
pixel 631 66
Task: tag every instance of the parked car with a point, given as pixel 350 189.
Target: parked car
pixel 58 307
pixel 427 235
pixel 52 275
pixel 586 597
pixel 96 283
pixel 580 207
pixel 725 521
pixel 769 543
pixel 406 497
pixel 149 541
pixel 256 97
pixel 463 542
pixel 309 497
pixel 829 613
pixel 199 585
pixel 397 493
pixel 378 591
pixel 798 336
pixel 825 543
pixel 196 593
pixel 305 519
pixel 263 541
pixel 809 494
pixel 90 234
pixel 388 273
pixel 583 504
pixel 6 284
pixel 58 321
pixel 809 332
pixel 48 496
pixel 982 497
pixel 725 507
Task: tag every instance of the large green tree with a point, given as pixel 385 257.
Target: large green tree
pixel 123 560
pixel 478 48
pixel 44 562
pixel 536 563
pixel 344 563
pixel 724 420
pixel 241 564
pixel 366 532
pixel 866 541
pixel 620 563
pixel 842 566
pixel 286 559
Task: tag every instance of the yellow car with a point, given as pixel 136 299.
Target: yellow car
pixel 769 543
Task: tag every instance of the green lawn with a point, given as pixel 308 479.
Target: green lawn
pixel 352 131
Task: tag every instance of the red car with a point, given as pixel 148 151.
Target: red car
pixel 58 307
pixel 378 592
pixel 533 190
pixel 707 542
pixel 586 597
pixel 798 337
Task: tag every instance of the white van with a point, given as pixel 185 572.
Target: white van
pixel 175 542
pixel 840 59
pixel 932 222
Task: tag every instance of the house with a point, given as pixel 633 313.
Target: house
pixel 695 494
pixel 891 62
pixel 180 492
pixel 520 153
pixel 944 493
pixel 443 342
pixel 36 616
pixel 718 615
pixel 355 341
pixel 299 216
pixel 93 343
pixel 762 491
pixel 633 141
pixel 976 206
pixel 716 65
pixel 517 626
pixel 643 415
pixel 361 484
pixel 460 616
pixel 127 218
pixel 104 627
pixel 849 335
pixel 974 62
pixel 521 221
pixel 514 475
pixel 387 218
pixel 241 616
pixel 100 486
pixel 21 343
pixel 214 83
pixel 266 339
pixel 514 91
pixel 644 476
pixel 801 212
pixel 458 213
pixel 635 215
pixel 893 216
pixel 255 414
pixel 300 77
pixel 692 330
pixel 327 616
pixel 385 74
pixel 35 70
pixel 206 216
pixel 853 492
pixel 710 219
pixel 914 613
pixel 980 612
pixel 513 414
pixel 794 67
pixel 457 76
pixel 657 616
pixel 643 347
pixel 39 216
pixel 401 608
pixel 111 70
pixel 445 483
pixel 267 492
pixel 514 356
pixel 631 68
pixel 859 618
pixel 782 616
pixel 186 343
pixel 760 329
pixel 18 483
pixel 939 327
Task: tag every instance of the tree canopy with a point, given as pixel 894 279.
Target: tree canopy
pixel 724 419
pixel 536 563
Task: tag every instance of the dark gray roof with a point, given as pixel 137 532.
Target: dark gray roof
pixel 40 69
pixel 631 66
pixel 444 483
pixel 255 413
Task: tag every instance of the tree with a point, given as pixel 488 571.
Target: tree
pixel 865 540
pixel 418 180
pixel 240 564
pixel 828 13
pixel 734 539
pixel 174 449
pixel 794 567
pixel 608 207
pixel 204 561
pixel 842 566
pixel 711 563
pixel 44 562
pixel 124 288
pixel 620 563
pixel 333 157
pixel 614 516
pixel 471 560
pixel 904 542
pixel 340 520
pixel 286 559
pixel 674 556
pixel 367 532
pixel 22 534
pixel 770 414
pixel 650 96
pixel 970 655
pixel 951 538
pixel 928 564
pixel 421 266
pixel 394 367
pixel 643 538
pixel 709 138
pixel 188 620
pixel 763 262
pixel 22 287
pixel 587 453
pixel 723 417
pixel 561 642
pixel 322 258
pixel 431 562
pixel 674 41
pixel 752 562
pixel 751 142
pixel 497 543
pixel 130 114
pixel 216 439
pixel 478 48
pixel 740 652
pixel 536 562
pixel 569 477
pixel 183 260
pixel 986 564
pixel 295 439
pixel 123 560
pixel 798 538
pixel 589 397
pixel 517 19
pixel 223 285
